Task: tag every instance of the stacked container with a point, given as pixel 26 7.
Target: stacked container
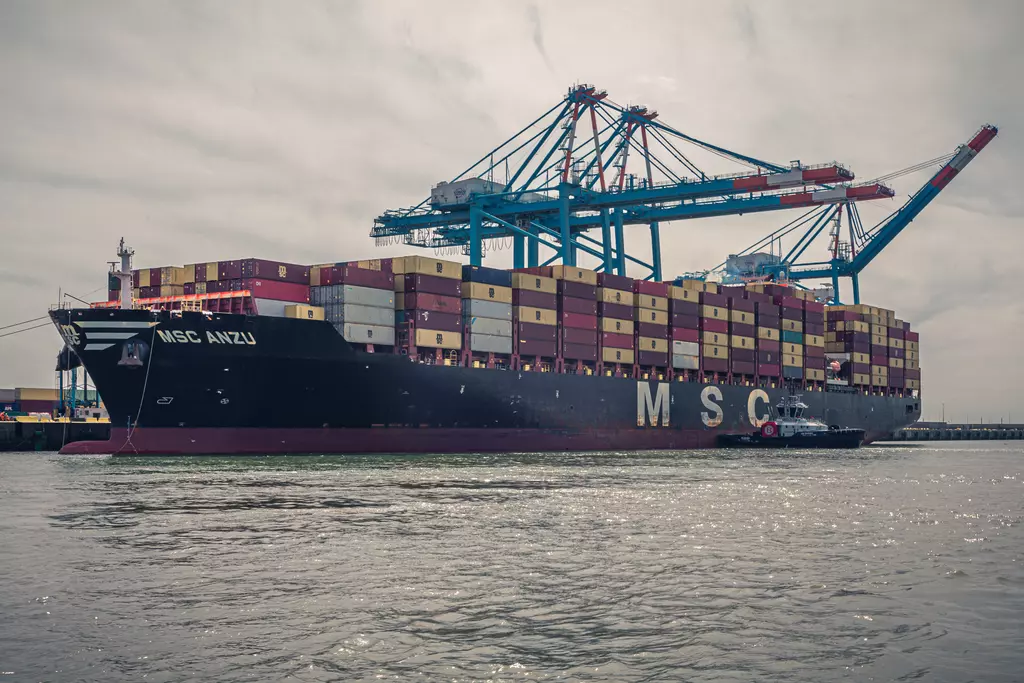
pixel 358 302
pixel 535 317
pixel 897 352
pixel 791 313
pixel 615 322
pixel 742 334
pixel 684 326
pixel 768 345
pixel 487 312
pixel 650 304
pixel 577 317
pixel 912 371
pixel 714 334
pixel 429 298
pixel 814 340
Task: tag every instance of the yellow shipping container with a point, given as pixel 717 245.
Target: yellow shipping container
pixel 422 265
pixel 858 326
pixel 814 374
pixel 711 288
pixel 371 264
pixel 685 293
pixel 534 283
pixel 615 325
pixel 648 315
pixel 623 356
pixel 754 287
pixel 715 312
pixel 882 370
pixel 144 277
pixel 863 309
pixel 879 381
pixel 912 364
pixel 172 275
pixel 793 349
pixel 31 394
pixel 692 285
pixel 304 312
pixel 896 363
pixel 399 299
pixel 830 337
pixel 880 330
pixel 737 341
pixel 792 361
pixel 767 333
pixel 137 292
pixel 190 272
pixel 913 384
pixel 814 340
pixel 744 317
pixel 711 351
pixel 478 290
pixel 614 296
pixel 896 343
pixel 802 294
pixel 879 340
pixel 436 339
pixel 652 344
pixel 657 303
pixel 861 379
pixel 913 346
pixel 172 290
pixel 715 338
pixel 858 357
pixel 834 347
pixel 213 271
pixel 792 325
pixel 540 316
pixel 575 274
pixel 913 355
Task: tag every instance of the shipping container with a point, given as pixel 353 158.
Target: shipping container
pixel 366 334
pixel 862 379
pixel 681 348
pixel 814 340
pixel 614 296
pixel 819 363
pixel 540 316
pixel 616 355
pixel 386 265
pixel 650 315
pixel 577 290
pixel 362 315
pixel 713 351
pixel 649 359
pixel 716 300
pixel 816 329
pixel 792 372
pixel 769 321
pixel 746 355
pixel 895 343
pixel 305 312
pixel 880 331
pixel 652 330
pixel 535 283
pixel 352 294
pixel 618 341
pixel 768 333
pixel 616 326
pixel 652 344
pixel 574 274
pixel 486 292
pixel 428 284
pixel 710 325
pixel 576 335
pixel 789 337
pixel 659 289
pixel 486 343
pixel 429 302
pixel 685 334
pixel 697 285
pixel 742 317
pixel 438 339
pixel 814 351
pixel 709 364
pixel 573 305
pixel 275 270
pixel 714 313
pixel 585 322
pixel 690 322
pixel 536 347
pixel 769 345
pixel 792 360
pixel 172 290
pixel 362 277
pixel 686 362
pixel 740 342
pixel 715 338
pixel 620 282
pixel 768 357
pixel 741 330
pixel 685 294
pixel 422 265
pixel 687 308
pixel 526 297
pixel 487 276
pixel 769 370
pixel 650 302
pixel 740 367
pixel 584 352
pixel 22 394
pixel 617 311
pixel 536 332
pixel 814 374
pixel 486 309
pixel 488 326
pixel 449 322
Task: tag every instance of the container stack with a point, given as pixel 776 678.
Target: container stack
pixel 535 318
pixel 814 341
pixel 359 302
pixel 912 373
pixel 714 335
pixel 487 315
pixel 897 352
pixel 650 301
pixel 577 318
pixel 742 335
pixel 615 324
pixel 768 345
pixel 684 328
pixel 791 313
pixel 429 298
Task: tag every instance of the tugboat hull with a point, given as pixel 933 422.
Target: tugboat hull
pixel 836 438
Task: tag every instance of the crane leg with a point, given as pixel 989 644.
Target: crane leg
pixel 620 245
pixel 656 251
pixel 835 287
pixel 532 257
pixel 606 240
pixel 518 251
pixel 856 288
pixel 568 252
pixel 476 252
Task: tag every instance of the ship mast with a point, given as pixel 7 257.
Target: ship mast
pixel 125 274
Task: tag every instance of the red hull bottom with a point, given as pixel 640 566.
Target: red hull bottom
pixel 228 441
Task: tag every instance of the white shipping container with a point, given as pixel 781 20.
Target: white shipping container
pixel 499 328
pixel 367 334
pixel 683 362
pixel 361 315
pixel 365 296
pixel 681 348
pixel 271 307
pixel 486 309
pixel 489 343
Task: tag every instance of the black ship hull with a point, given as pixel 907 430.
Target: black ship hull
pixel 837 438
pixel 224 384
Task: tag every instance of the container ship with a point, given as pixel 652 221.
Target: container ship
pixel 422 355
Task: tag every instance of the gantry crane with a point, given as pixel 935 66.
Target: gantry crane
pixel 558 186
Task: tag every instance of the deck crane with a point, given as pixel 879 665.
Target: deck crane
pixel 568 172
pixel 848 259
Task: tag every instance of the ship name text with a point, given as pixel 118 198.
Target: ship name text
pixel 211 337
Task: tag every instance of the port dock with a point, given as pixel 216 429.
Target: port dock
pixel 49 435
pixel 942 431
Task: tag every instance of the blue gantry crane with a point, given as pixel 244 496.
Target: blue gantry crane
pixel 568 172
pixel 764 260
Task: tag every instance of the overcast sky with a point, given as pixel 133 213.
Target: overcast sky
pixel 215 130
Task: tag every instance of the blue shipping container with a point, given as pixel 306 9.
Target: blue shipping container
pixel 792 337
pixel 487 276
pixel 790 372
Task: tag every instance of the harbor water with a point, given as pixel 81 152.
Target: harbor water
pixel 891 562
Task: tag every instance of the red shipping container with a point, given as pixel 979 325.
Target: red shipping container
pixel 229 270
pixel 770 321
pixel 860 368
pixel 430 284
pixel 616 341
pixel 757 297
pixel 190 288
pixel 769 370
pixel 816 363
pixel 272 289
pixel 880 360
pixel 732 291
pixel 387 265
pixel 769 357
pixel 912 374
pixel 275 270
pixel 574 305
pixel 575 335
pixel 768 309
pixel 526 297
pixel 896 372
pixel 615 281
pixel 814 307
pixel 740 367
pixel 433 320
pixel 712 325
pixel 745 355
pixel 584 322
pixel 769 345
pixel 537 332
pixel 650 288
pixel 200 272
pixel 792 313
pixel 685 334
pixel 912 336
pixel 577 290
pixel 535 347
pixel 652 330
pixel 690 322
pixel 814 328
pixel 742 330
pixel 741 305
pixel 677 307
pixel 432 302
pixel 789 302
pixel 842 315
pixel 36 406
pixel 115 294
pixel 652 359
pixel 714 364
pixel 579 352
pixel 617 311
pixel 710 299
pixel 814 351
pixel 359 277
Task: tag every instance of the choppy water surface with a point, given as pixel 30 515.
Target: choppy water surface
pixel 884 564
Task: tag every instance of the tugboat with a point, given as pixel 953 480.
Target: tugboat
pixel 790 429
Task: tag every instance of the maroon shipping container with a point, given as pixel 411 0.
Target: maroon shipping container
pixel 275 270
pixel 652 330
pixel 815 363
pixel 359 277
pixel 238 285
pixel 897 353
pixel 791 313
pixel 814 328
pixel 229 270
pixel 879 360
pixel 685 334
pixel 789 302
pixel 574 305
pixel 200 272
pixel 537 332
pixel 742 330
pixel 536 347
pixel 860 368
pixel 772 322
pixel 149 292
pixel 877 350
pixel 575 335
pixel 857 347
pixel 860 337
pixel 652 358
pixel 676 307
pixel 579 352
pixel 768 309
pixel 814 307
pixel 617 311
pixel 431 284
pixel 912 336
pixel 732 291
pixel 757 297
pixel 842 315
pixel 714 364
pixel 912 374
pixel 526 297
pixel 651 288
pixel 769 345
pixel 190 288
pixel 712 325
pixel 432 302
pixel 896 333
pixel 745 355
pixel 274 289
pixel 769 357
pixel 741 305
pixel 615 281
pixel 894 382
pixel 214 286
pixel 36 406
pixel 897 373
pixel 740 367
pixel 433 320
pixel 709 299
pixel 769 370
pixel 584 322
pixel 577 290
pixel 814 351
pixel 115 294
pixel 690 322
pixel 616 341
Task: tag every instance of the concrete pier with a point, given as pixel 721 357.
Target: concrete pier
pixel 49 436
pixel 942 431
